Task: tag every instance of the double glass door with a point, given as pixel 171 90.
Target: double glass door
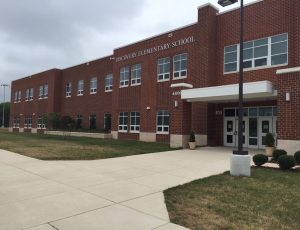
pixel 257 122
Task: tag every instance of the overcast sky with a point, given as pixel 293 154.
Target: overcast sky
pixel 38 35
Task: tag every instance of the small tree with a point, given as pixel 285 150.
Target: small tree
pixel 67 123
pixel 269 140
pixel 54 120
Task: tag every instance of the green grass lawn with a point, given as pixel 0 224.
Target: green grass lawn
pixel 49 147
pixel 269 199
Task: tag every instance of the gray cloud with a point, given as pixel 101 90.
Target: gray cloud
pixel 38 35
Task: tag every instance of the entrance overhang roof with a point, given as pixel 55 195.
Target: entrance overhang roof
pixel 261 90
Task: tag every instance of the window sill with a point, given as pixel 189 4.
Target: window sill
pixel 179 78
pixel 124 86
pixel 122 131
pixel 163 80
pixel 68 96
pixel 79 95
pixel 136 84
pixel 93 93
pixel 107 91
pixel 256 68
pixel 162 133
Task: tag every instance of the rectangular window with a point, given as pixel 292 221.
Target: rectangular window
pixel 162 122
pixel 69 89
pixel 43 91
pixel 107 121
pixel 80 88
pixel 180 66
pixel 230 58
pixel 27 95
pixel 41 122
pixel 134 122
pixel 123 122
pixel 163 69
pixel 16 122
pixel 93 85
pixel 19 96
pixel 124 76
pixel 28 122
pixel 265 52
pixel 30 94
pixel 16 97
pixel 108 82
pixel 136 74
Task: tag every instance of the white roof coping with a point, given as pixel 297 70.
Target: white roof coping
pixel 186 85
pixel 252 90
pixel 209 4
pixel 288 70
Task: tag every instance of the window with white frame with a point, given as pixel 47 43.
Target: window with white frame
pixel 16 122
pixel 163 69
pixel 41 122
pixel 69 89
pixel 80 87
pixel 134 122
pixel 27 95
pixel 108 82
pixel 93 85
pixel 30 94
pixel 16 96
pixel 180 66
pixel 19 96
pixel 124 76
pixel 265 52
pixel 123 121
pixel 43 91
pixel 230 58
pixel 136 72
pixel 162 123
pixel 27 122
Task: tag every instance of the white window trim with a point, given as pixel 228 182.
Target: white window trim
pixel 119 125
pixel 123 81
pixel 135 126
pixel 186 70
pixel 162 132
pixel 269 57
pixel 165 73
pixel 93 90
pixel 137 78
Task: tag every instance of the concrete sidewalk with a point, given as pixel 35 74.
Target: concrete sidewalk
pixel 119 193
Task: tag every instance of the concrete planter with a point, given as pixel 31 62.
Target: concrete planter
pixel 80 134
pixel 192 145
pixel 269 151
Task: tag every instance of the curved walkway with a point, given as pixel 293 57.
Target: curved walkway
pixel 111 194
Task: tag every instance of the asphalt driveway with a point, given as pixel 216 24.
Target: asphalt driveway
pixel 111 194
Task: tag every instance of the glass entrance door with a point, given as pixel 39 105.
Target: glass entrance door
pixel 265 126
pixel 229 131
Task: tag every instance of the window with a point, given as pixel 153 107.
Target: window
pixel 80 88
pixel 134 122
pixel 16 122
pixel 27 122
pixel 92 120
pixel 30 94
pixel 230 58
pixel 163 69
pixel 69 89
pixel 136 74
pixel 41 122
pixel 180 66
pixel 79 119
pixel 17 97
pixel 27 95
pixel 123 122
pixel 162 122
pixel 265 52
pixel 93 85
pixel 279 49
pixel 108 82
pixel 43 91
pixel 124 76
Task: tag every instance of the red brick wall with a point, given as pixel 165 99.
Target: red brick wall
pixel 289 114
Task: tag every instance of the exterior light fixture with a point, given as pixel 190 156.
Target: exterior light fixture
pixel 226 2
pixel 148 108
pixel 176 103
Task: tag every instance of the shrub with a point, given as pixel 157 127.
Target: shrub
pixel 67 122
pixel 286 162
pixel 297 157
pixel 260 159
pixel 269 140
pixel 277 153
pixel 192 137
pixel 54 120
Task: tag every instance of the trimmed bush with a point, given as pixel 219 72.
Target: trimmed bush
pixel 260 159
pixel 192 137
pixel 269 140
pixel 277 153
pixel 286 162
pixel 297 157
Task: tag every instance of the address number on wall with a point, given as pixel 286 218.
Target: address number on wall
pixel 176 93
